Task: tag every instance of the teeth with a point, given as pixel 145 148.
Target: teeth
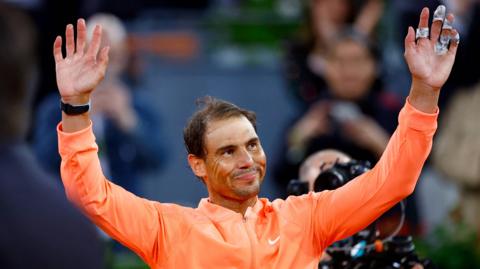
pixel 439 14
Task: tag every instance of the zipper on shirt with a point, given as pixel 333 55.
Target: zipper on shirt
pixel 252 252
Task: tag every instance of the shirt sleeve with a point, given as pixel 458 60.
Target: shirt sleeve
pixel 342 212
pixel 137 223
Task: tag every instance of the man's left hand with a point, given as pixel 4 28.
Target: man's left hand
pixel 429 67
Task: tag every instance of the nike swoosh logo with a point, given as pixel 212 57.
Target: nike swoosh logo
pixel 274 241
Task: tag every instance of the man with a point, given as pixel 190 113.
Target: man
pixel 233 228
pixel 38 227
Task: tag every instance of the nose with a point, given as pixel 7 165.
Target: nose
pixel 245 159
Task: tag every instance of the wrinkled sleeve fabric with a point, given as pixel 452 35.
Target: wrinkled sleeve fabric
pixel 333 215
pixel 137 223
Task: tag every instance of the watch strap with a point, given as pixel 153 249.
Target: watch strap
pixel 74 109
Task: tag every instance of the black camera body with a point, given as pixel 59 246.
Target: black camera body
pixel 339 174
pixel 336 176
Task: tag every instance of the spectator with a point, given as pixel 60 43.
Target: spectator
pixel 310 169
pixel 457 151
pixel 355 114
pixel 38 227
pixel 305 58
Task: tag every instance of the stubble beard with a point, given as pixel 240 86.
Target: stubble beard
pixel 248 191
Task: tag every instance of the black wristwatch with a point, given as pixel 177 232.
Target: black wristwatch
pixel 74 109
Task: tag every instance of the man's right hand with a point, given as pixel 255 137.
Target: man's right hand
pixel 80 71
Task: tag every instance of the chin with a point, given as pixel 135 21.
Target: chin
pixel 248 191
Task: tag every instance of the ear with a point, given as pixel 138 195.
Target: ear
pixel 197 165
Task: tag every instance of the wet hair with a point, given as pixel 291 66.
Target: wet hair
pixel 17 66
pixel 210 109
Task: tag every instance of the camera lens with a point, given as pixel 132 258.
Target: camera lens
pixel 331 179
pixel 339 175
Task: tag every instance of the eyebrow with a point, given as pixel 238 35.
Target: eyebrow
pixel 252 140
pixel 223 148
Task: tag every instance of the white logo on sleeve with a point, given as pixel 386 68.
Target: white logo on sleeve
pixel 274 241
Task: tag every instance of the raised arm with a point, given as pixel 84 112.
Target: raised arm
pixel 80 72
pixel 139 224
pixel 346 210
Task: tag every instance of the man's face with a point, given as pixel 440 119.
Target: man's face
pixel 235 162
pixel 351 70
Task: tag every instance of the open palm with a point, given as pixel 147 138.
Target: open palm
pixel 424 63
pixel 79 72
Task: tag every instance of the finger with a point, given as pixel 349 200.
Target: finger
pixel 69 40
pixel 95 44
pixel 424 18
pixel 441 46
pixel 454 41
pixel 410 40
pixel 447 26
pixel 448 23
pixel 57 49
pixel 438 18
pixel 423 22
pixel 81 35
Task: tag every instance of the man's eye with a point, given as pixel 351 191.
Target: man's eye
pixel 252 146
pixel 228 152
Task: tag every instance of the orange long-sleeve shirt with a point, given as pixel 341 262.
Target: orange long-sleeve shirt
pixel 289 233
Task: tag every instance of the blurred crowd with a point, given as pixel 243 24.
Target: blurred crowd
pixel 340 71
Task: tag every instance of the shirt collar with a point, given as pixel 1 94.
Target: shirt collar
pixel 219 213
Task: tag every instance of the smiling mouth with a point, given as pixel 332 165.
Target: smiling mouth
pixel 248 176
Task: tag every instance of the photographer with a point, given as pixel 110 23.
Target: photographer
pixel 355 114
pixel 38 227
pixel 329 165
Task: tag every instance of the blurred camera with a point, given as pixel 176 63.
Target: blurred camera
pixel 336 176
pixel 396 253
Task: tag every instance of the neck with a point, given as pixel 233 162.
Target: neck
pixel 239 206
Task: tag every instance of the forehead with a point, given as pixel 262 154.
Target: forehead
pixel 231 131
pixel 348 47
